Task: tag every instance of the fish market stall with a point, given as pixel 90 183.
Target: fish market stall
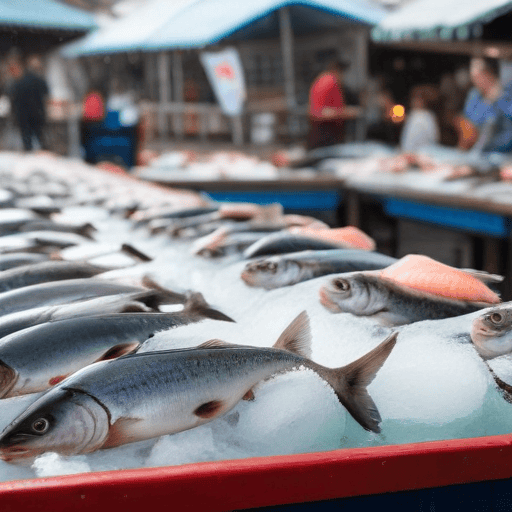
pixel 341 405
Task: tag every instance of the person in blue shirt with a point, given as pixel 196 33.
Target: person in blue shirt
pixel 488 108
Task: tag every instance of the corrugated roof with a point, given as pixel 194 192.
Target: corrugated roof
pixel 198 23
pixel 46 14
pixel 440 19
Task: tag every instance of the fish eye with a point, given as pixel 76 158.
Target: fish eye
pixel 271 266
pixel 41 426
pixel 496 318
pixel 341 284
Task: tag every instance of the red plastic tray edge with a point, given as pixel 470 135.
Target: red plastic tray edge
pixel 267 481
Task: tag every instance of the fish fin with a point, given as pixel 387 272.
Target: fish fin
pixel 484 276
pixel 119 350
pixel 249 396
pixel 86 230
pixel 296 338
pixel 197 308
pixel 350 382
pixel 119 432
pixel 165 296
pixel 210 409
pixel 132 251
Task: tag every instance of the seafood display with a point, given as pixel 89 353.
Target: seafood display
pixel 137 328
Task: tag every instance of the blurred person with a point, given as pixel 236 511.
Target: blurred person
pixel 378 103
pixel 28 94
pixel 421 127
pixel 327 108
pixel 486 122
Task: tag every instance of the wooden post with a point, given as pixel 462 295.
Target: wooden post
pixel 177 76
pixel 164 88
pixel 238 132
pixel 285 27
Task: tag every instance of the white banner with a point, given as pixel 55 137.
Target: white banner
pixel 225 73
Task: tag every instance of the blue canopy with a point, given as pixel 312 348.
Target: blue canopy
pixel 46 14
pixel 198 23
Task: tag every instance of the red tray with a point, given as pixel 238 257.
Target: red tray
pixel 268 481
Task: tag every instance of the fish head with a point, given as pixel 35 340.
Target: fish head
pixel 491 332
pixel 271 273
pixel 352 292
pixel 8 379
pixel 64 421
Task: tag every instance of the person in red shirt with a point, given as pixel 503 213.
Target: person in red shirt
pixel 327 109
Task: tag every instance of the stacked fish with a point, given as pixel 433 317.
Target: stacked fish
pixel 72 333
pixel 106 290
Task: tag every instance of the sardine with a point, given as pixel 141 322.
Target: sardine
pixel 284 242
pixel 47 271
pixel 366 294
pixel 140 302
pixel 17 259
pixel 60 292
pixel 36 358
pixel 491 332
pixel 86 229
pixel 146 395
pixel 289 269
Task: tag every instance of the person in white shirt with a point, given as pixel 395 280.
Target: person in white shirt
pixel 421 127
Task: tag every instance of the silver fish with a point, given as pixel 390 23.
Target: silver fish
pixel 284 242
pixel 47 271
pixel 363 294
pixel 147 395
pixel 491 332
pixel 60 292
pixel 288 269
pixel 140 302
pixel 38 357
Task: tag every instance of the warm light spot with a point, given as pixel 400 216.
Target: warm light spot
pixel 397 113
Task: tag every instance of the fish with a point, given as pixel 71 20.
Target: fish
pixel 348 237
pixel 38 357
pixel 366 294
pixel 140 218
pixel 86 229
pixel 414 288
pixel 284 242
pixel 144 301
pixel 17 259
pixel 491 332
pixel 47 271
pixel 288 269
pixel 60 292
pixel 147 395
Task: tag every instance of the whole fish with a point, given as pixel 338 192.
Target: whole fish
pixel 17 259
pixel 141 218
pixel 491 332
pixel 151 394
pixel 38 357
pixel 284 242
pixel 366 294
pixel 47 271
pixel 293 268
pixel 145 301
pixel 85 229
pixel 60 292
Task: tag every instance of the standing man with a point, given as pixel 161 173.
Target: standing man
pixel 327 109
pixel 28 98
pixel 486 124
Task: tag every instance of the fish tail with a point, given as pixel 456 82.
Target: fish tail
pixel 162 295
pixel 196 308
pixel 132 251
pixel 349 383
